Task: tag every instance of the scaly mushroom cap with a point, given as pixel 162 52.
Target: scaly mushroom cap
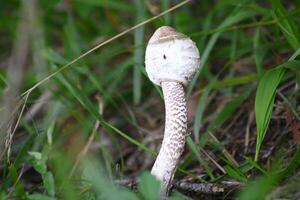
pixel 171 56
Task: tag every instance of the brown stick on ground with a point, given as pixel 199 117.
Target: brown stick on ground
pixel 188 187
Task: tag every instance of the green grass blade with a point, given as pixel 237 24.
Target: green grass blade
pixel 165 4
pixel 235 173
pixel 259 52
pixel 286 24
pixel 94 173
pixel 198 155
pixel 265 96
pixel 115 4
pixel 225 113
pixel 85 102
pixel 138 54
pixel 259 188
pixel 229 109
pixel 199 113
pixel 230 20
pixel 293 164
pixel 264 101
pixel 149 186
pixel 295 54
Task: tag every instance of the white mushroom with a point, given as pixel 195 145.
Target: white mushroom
pixel 171 61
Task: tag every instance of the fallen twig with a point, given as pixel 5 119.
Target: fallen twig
pixel 188 187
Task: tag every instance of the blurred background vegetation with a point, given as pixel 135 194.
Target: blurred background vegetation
pixel 89 129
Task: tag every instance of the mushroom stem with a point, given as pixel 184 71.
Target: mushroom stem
pixel 174 136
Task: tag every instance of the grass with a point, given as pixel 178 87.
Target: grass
pixel 78 112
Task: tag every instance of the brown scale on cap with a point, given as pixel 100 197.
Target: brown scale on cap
pixel 165 33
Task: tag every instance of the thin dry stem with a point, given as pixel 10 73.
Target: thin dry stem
pixel 104 43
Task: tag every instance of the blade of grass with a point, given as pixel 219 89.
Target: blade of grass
pixel 259 188
pixel 243 168
pixel 138 52
pixel 62 167
pixel 102 44
pixel 197 153
pixel 115 4
pixel 199 113
pixel 286 24
pixel 201 108
pixel 235 173
pixel 229 108
pixel 93 172
pixel 231 19
pixel 235 81
pixel 165 4
pixel 225 113
pixel 259 52
pixel 293 164
pixel 264 101
pixel 265 96
pixel 86 103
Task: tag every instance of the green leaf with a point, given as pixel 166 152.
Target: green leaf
pixel 233 18
pixel 138 53
pixel 165 5
pixel 259 53
pixel 149 186
pixel 19 189
pixel 229 82
pixel 293 164
pixel 52 56
pixel 264 102
pixel 229 108
pixel 262 186
pixel 259 188
pixel 37 196
pixel 93 172
pixel 50 132
pixel 38 162
pixel 198 155
pixel 176 198
pixel 286 24
pixel 3 196
pixel 91 108
pixel 115 4
pixel 295 54
pixel 201 108
pixel 49 184
pixel 61 170
pixel 265 96
pixel 255 165
pixel 235 173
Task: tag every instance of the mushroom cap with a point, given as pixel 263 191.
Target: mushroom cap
pixel 171 56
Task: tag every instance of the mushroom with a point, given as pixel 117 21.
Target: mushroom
pixel 172 59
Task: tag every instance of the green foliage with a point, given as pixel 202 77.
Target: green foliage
pixel 149 187
pixel 259 52
pixel 286 24
pixel 138 52
pixel 259 188
pixel 235 173
pixel 264 101
pixel 39 197
pixel 265 96
pixel 262 186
